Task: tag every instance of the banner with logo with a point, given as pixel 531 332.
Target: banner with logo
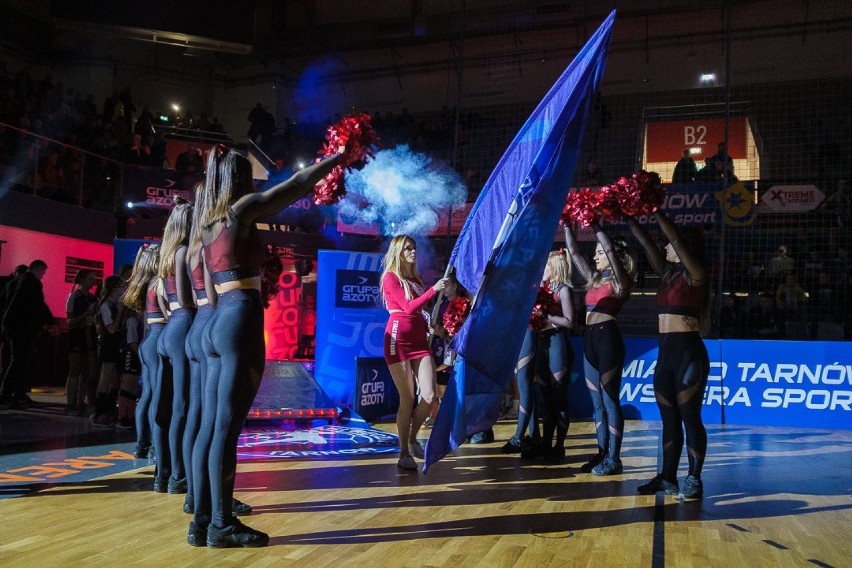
pixel 791 199
pixel 350 319
pixel 156 188
pixel 771 383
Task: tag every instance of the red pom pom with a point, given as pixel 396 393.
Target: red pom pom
pixel 580 207
pixel 330 189
pixel 456 313
pixel 545 303
pixel 608 204
pixel 651 191
pixel 356 135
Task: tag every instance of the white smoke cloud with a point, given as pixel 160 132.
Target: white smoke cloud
pixel 402 191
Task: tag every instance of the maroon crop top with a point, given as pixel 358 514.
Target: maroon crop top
pixel 603 299
pixel 197 275
pixel 394 295
pixel 152 306
pixel 676 296
pixel 170 288
pixel 235 253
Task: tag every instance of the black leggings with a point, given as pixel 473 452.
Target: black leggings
pixel 554 355
pixel 150 360
pixel 197 383
pixel 233 342
pixel 603 363
pixel 679 381
pixel 526 397
pixel 175 369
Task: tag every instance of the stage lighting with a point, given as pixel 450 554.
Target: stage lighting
pixel 130 205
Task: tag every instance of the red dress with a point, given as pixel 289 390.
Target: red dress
pixel 406 332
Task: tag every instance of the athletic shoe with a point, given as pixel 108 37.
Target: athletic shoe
pixel 692 488
pixel 189 505
pixel 590 465
pixel 197 534
pixel 416 449
pixel 555 456
pixel 239 508
pixel 657 484
pixel 235 535
pixel 528 442
pixel 534 451
pixel 161 485
pixel 407 463
pixel 428 422
pixel 484 437
pixel 608 466
pixel 141 452
pixel 177 486
pixel 513 446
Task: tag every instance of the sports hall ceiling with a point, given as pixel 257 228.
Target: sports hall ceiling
pixel 657 44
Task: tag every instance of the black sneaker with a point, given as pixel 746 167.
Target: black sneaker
pixel 161 485
pixel 189 505
pixel 239 508
pixel 177 486
pixel 608 466
pixel 555 456
pixel 484 437
pixel 590 465
pixel 141 452
pixel 658 484
pixel 534 451
pixel 197 534
pixel 692 488
pixel 513 446
pixel 235 535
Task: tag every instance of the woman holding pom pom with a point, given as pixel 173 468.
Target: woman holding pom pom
pixel 407 350
pixel 553 318
pixel 233 339
pixel 608 287
pixel 682 367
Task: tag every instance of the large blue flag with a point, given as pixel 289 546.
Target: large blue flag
pixel 503 246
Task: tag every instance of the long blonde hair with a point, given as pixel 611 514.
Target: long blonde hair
pixel 625 257
pixel 229 177
pixel 560 269
pixel 392 262
pixel 195 230
pixel 144 269
pixel 175 235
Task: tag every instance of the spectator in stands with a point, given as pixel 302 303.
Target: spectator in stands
pixel 730 324
pixel 721 156
pixel 190 161
pixel 591 174
pixel 837 206
pixel 839 265
pixel 145 123
pixel 255 118
pixel 780 263
pixel 685 170
pixel 827 309
pixel 138 153
pixel 763 319
pixel 792 299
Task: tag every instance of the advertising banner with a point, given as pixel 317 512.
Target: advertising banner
pixel 350 319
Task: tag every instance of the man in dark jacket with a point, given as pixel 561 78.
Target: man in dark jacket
pixel 25 314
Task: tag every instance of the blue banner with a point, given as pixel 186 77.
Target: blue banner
pixel 766 383
pixel 514 239
pixel 350 319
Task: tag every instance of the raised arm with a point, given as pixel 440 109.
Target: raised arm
pixel 576 256
pixel 255 205
pixel 395 295
pixel 567 318
pixel 695 268
pixel 654 254
pixel 621 277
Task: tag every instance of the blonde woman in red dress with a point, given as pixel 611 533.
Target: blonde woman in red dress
pixel 406 348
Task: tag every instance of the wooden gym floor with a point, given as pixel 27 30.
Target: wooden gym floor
pixel 71 496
